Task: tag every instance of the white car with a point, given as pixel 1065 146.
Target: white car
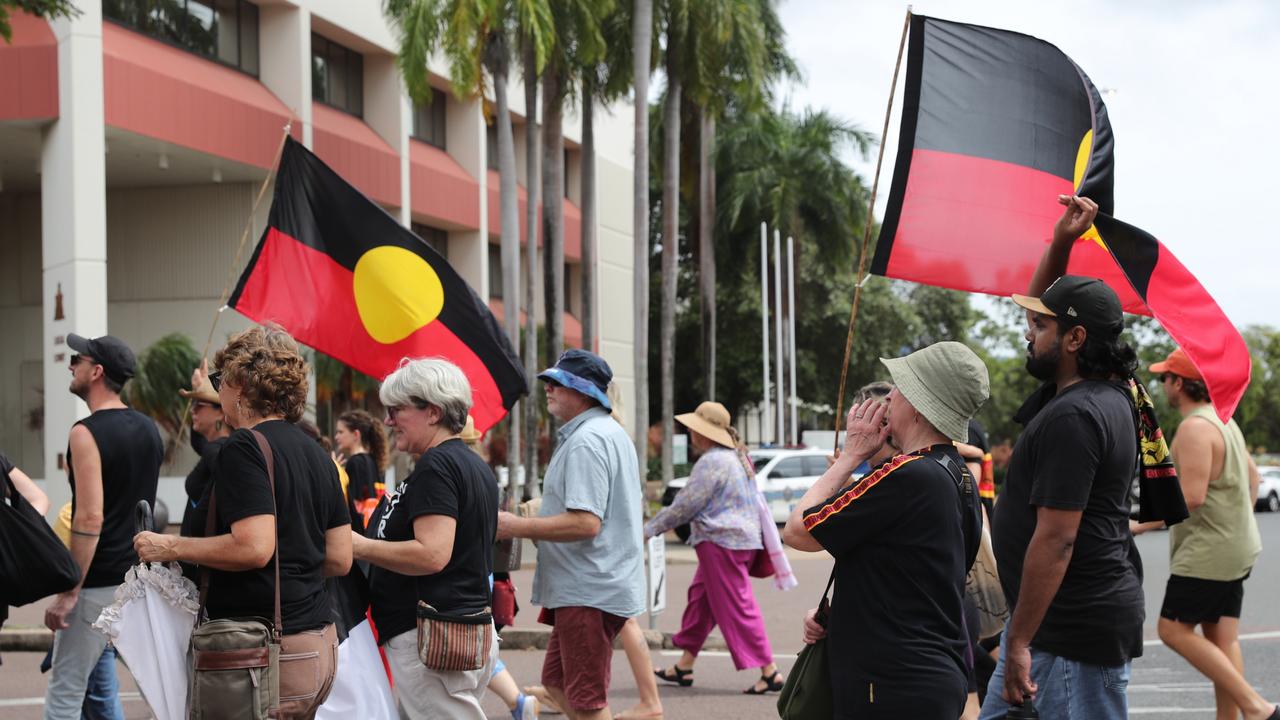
pixel 782 474
pixel 1269 489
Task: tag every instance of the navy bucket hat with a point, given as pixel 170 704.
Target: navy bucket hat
pixel 584 372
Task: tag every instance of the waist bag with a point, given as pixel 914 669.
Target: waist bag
pixel 233 664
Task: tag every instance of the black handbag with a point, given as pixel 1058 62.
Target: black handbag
pixel 34 563
pixel 807 694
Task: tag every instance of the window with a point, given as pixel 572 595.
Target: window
pixel 428 119
pixel 815 465
pixel 225 31
pixel 566 172
pixel 495 271
pixel 337 75
pixel 491 144
pixel 792 467
pixel 435 237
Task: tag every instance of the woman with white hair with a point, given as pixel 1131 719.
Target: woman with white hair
pixel 430 544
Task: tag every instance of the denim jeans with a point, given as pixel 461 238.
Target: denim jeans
pixel 1066 689
pixel 102 696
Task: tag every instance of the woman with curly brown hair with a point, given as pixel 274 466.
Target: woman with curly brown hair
pixel 361 440
pixel 261 380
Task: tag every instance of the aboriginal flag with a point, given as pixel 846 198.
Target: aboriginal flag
pixel 995 125
pixel 344 277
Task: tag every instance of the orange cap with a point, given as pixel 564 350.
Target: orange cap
pixel 1179 364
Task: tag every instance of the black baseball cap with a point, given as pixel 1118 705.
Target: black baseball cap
pixel 110 352
pixel 1079 300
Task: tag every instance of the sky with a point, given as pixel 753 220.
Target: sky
pixel 1193 92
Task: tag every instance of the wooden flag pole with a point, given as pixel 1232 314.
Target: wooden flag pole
pixel 866 238
pixel 235 264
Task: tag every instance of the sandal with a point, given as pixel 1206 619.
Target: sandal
pixel 675 675
pixel 772 683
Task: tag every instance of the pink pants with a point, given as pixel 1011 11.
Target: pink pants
pixel 721 595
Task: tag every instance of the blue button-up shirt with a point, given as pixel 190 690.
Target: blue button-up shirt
pixel 594 470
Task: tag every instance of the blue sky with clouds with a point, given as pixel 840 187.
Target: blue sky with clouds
pixel 1194 105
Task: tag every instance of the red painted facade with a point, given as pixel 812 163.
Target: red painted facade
pixel 572 326
pixel 357 153
pixel 162 92
pixel 29 70
pixel 440 189
pixel 572 219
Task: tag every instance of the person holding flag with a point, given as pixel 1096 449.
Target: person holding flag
pixel 1066 558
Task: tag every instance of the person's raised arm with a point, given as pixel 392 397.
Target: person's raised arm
pixel 1076 220
pixel 32 492
pixel 865 433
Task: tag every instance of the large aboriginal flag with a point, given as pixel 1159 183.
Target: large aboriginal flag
pixel 344 277
pixel 996 125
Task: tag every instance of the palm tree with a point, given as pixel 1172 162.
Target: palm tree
pixel 676 20
pixel 737 56
pixel 477 38
pixel 531 67
pixel 641 45
pixel 163 369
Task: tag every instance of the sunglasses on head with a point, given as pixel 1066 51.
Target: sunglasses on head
pixel 215 379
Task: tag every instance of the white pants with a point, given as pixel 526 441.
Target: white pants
pixel 428 694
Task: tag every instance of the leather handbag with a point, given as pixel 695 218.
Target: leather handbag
pixel 761 564
pixel 233 664
pixel 453 643
pixel 807 693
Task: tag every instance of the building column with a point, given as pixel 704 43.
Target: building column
pixel 465 137
pixel 285 50
pixel 388 111
pixel 73 228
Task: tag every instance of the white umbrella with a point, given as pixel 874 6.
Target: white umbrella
pixel 150 624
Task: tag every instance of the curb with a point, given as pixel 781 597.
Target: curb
pixel 28 639
pixel 513 638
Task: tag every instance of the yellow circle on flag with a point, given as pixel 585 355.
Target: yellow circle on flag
pixel 396 292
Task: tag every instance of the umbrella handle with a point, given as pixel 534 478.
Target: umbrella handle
pixel 143 520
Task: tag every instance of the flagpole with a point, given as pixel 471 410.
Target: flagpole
pixel 866 237
pixel 779 432
pixel 764 331
pixel 791 336
pixel 233 273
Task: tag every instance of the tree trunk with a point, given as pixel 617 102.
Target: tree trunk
pixel 641 43
pixel 509 227
pixel 531 273
pixel 707 247
pixel 553 209
pixel 670 249
pixel 588 193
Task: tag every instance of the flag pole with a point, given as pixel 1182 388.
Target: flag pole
pixel 866 237
pixel 764 332
pixel 235 263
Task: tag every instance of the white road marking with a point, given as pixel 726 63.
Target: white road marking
pixel 36 701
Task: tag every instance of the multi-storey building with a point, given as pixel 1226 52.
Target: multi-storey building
pixel 134 139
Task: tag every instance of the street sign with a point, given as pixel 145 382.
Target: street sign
pixel 657 574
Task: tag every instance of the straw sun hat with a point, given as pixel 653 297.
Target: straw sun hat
pixel 711 420
pixel 945 382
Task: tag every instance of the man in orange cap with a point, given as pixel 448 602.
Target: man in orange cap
pixel 1212 551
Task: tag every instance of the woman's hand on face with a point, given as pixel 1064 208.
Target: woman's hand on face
pixel 154 547
pixel 865 429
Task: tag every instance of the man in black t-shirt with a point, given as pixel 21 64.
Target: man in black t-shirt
pixel 113 461
pixel 1066 558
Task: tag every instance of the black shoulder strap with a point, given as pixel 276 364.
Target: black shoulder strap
pixel 961 475
pixel 964 485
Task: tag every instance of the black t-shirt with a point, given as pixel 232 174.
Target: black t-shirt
pixel 451 480
pixel 310 502
pixel 978 436
pixel 362 475
pixel 903 538
pixel 131 452
pixel 198 483
pixel 1078 452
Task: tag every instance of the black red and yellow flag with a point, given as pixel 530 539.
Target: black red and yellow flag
pixel 995 125
pixel 344 277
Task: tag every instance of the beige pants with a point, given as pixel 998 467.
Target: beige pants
pixel 430 694
pixel 307 663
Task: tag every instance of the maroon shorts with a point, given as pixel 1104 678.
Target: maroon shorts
pixel 580 653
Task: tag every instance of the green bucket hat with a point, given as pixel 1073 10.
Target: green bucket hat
pixel 945 382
